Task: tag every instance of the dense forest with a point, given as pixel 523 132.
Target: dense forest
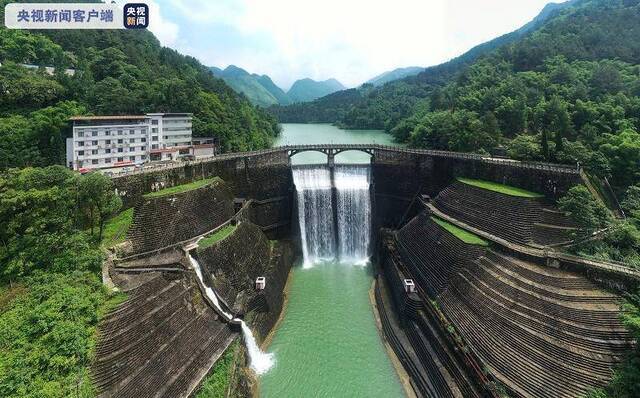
pixel 116 72
pixel 52 220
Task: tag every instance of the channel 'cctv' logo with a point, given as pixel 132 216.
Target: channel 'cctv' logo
pixel 136 16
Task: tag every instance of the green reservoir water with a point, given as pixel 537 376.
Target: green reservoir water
pixel 328 344
pixel 295 134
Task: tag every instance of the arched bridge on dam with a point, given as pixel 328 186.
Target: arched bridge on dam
pixel 331 150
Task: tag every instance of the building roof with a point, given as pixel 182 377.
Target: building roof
pixel 119 117
pixel 170 114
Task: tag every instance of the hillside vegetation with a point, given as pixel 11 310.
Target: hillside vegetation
pixel 262 91
pixel 116 72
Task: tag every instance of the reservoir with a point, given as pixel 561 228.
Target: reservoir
pixel 327 344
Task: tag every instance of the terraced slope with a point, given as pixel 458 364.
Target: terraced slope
pixel 539 331
pixel 161 341
pixel 517 219
pixel 162 221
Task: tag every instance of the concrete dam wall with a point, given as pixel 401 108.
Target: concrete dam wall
pixel 563 327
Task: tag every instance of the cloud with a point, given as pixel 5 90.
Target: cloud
pixel 167 32
pixel 351 40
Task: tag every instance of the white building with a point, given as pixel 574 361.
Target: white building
pixel 170 135
pixel 100 142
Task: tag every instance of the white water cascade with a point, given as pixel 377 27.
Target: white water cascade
pixel 261 361
pixel 354 213
pixel 315 213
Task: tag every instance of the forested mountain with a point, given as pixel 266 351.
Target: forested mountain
pixel 385 106
pixel 262 91
pixel 395 74
pixel 116 72
pixel 251 85
pixel 305 90
pixel 273 89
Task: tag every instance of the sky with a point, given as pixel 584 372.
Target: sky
pixel 350 40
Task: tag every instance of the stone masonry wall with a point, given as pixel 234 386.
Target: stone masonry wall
pixel 260 176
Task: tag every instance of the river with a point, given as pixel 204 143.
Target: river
pixel 328 344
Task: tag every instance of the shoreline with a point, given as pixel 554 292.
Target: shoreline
pixel 403 377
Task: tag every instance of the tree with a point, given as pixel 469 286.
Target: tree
pixel 631 202
pixel 589 214
pixel 38 227
pixel 98 200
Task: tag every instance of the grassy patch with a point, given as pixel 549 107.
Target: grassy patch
pixel 216 236
pixel 115 230
pixel 216 384
pixel 181 188
pixel 500 188
pixel 465 236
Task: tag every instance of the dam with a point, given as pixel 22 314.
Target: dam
pixel 330 237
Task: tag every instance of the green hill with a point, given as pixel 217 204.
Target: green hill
pixel 395 74
pixel 266 82
pixel 385 106
pixel 243 82
pixel 305 90
pixel 116 72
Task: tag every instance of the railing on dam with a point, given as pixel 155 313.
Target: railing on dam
pixel 371 149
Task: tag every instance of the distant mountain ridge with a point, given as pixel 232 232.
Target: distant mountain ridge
pixel 386 104
pixel 305 90
pixel 262 91
pixel 396 74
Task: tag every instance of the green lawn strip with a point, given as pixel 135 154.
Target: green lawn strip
pixel 216 384
pixel 115 229
pixel 500 188
pixel 216 236
pixel 465 236
pixel 181 188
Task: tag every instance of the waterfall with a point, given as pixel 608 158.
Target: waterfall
pixel 315 213
pixel 354 213
pixel 260 361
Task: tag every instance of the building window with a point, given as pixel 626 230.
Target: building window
pixel 80 133
pixel 154 122
pixel 154 146
pixel 119 132
pixel 94 151
pixel 143 139
pixel 107 160
pixel 132 158
pixel 120 159
pixel 119 149
pixel 94 161
pixel 108 150
pixel 80 153
pixel 132 140
pixel 80 143
pixel 94 133
pixel 154 138
pixel 94 142
pixel 132 132
pixel 143 148
pixel 120 141
pixel 107 132
pixel 107 142
pixel 154 130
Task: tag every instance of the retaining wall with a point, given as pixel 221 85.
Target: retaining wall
pixel 257 176
pixel 162 221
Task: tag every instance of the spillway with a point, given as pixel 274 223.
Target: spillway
pixel 328 345
pixel 334 216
